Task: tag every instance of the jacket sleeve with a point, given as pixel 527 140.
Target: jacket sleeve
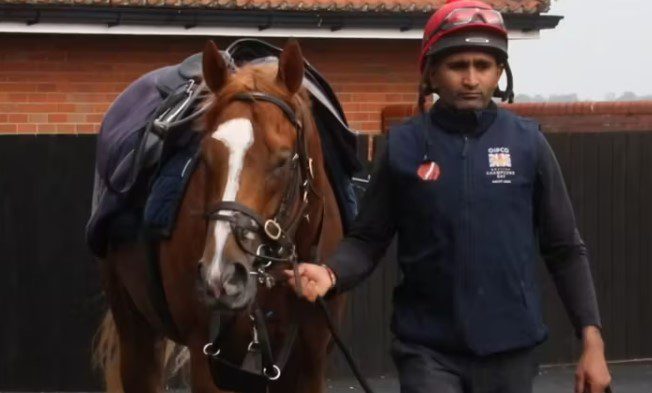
pixel 370 234
pixel 560 243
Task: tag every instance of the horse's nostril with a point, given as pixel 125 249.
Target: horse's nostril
pixel 235 278
pixel 241 272
pixel 232 289
pixel 210 288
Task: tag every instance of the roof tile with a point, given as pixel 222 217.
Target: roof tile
pixel 505 6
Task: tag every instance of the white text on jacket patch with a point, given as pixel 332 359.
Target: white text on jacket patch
pixel 500 165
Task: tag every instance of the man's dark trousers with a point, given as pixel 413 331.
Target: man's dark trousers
pixel 423 370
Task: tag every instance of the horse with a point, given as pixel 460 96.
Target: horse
pixel 260 184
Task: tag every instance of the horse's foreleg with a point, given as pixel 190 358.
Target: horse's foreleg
pixel 141 365
pixel 312 376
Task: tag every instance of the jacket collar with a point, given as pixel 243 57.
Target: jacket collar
pixel 473 122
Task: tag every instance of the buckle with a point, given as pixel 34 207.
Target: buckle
pixel 272 229
pixel 275 376
pixel 209 352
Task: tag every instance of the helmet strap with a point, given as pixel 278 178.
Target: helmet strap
pixel 425 87
pixel 508 93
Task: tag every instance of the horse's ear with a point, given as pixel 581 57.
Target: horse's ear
pixel 214 68
pixel 290 66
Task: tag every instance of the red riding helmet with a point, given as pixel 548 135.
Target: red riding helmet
pixel 463 24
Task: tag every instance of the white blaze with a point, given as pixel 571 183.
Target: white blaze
pixel 237 135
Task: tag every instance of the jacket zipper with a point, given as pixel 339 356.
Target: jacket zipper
pixel 466 258
pixel 466 196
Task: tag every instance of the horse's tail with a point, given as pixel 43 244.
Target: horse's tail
pixel 106 353
pixel 175 360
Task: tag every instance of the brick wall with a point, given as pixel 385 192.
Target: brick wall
pixel 64 83
pixel 589 116
pixel 562 117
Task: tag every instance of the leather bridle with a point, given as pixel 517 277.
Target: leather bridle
pixel 270 242
pixel 275 235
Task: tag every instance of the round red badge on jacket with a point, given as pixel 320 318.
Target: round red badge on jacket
pixel 429 171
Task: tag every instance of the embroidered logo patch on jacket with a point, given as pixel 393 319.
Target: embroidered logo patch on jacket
pixel 500 165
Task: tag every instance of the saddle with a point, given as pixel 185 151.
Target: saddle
pixel 147 150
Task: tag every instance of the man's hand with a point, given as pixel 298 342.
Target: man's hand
pixel 592 374
pixel 316 280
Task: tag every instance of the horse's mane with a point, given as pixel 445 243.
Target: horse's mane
pixel 256 78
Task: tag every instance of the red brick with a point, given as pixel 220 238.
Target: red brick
pixel 369 97
pixel 85 128
pixel 358 116
pixel 8 107
pixel 8 128
pixel 393 98
pixel 94 118
pixel 344 97
pixel 76 118
pixel 16 87
pixel 90 97
pixel 66 107
pixel 35 97
pixel 38 117
pixel 46 87
pixel 17 118
pixel 26 128
pixel 55 97
pixel 16 97
pixel 57 118
pixel 65 129
pixel 374 107
pixel 46 128
pixel 351 106
pixel 36 107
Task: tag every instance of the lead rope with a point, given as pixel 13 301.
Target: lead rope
pixel 349 359
pixel 336 337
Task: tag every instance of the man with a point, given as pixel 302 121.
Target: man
pixel 475 195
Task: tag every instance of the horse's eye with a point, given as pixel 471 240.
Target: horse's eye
pixel 282 159
pixel 249 235
pixel 246 234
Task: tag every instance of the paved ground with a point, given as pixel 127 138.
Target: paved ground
pixel 628 378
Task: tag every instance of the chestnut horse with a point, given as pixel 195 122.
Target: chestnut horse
pixel 259 141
